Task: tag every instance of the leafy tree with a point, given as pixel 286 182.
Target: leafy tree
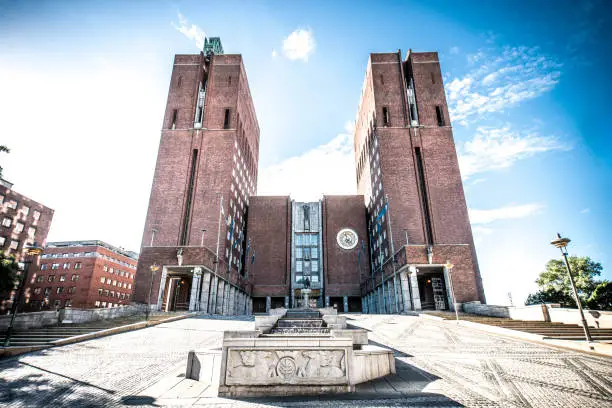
pixel 3 149
pixel 554 284
pixel 8 273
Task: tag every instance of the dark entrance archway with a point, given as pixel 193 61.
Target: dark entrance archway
pixel 432 289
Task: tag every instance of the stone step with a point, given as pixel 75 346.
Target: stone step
pixel 594 337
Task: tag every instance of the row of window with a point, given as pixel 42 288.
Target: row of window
pixel 112 293
pixel 62 278
pixel 113 282
pixel 25 210
pixel 104 304
pixel 118 272
pixel 57 303
pixel 14 244
pixel 439 115
pixel 87 255
pixel 66 265
pixel 58 290
pixel 19 227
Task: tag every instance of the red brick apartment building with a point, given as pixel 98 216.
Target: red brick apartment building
pixel 223 249
pixel 81 274
pixel 23 221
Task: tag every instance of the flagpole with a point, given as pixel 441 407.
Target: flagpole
pixel 219 232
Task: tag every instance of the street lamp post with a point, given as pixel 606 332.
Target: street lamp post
pixel 32 251
pixel 449 266
pixel 154 269
pixel 561 243
pixel 202 240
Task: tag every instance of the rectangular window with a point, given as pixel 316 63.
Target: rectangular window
pixel 40 279
pixel 100 292
pixel 31 232
pixel 314 278
pixel 47 291
pixel 174 119
pixel 14 245
pixel 433 78
pixel 102 279
pixel 103 304
pixel 106 292
pixel 130 286
pixel 72 289
pixel 298 252
pixel 75 277
pixel 19 227
pixel 36 214
pixel 59 290
pixel 2 241
pixel 226 119
pixel 77 265
pixel 67 266
pixel 57 303
pixel 12 204
pixel 189 198
pixel 298 266
pixel 314 253
pixel 386 118
pixel 97 303
pixel 315 266
pixel 7 222
pixel 440 116
pixel 62 278
pixel 68 302
pixel 105 268
pixel 55 266
pixel 37 291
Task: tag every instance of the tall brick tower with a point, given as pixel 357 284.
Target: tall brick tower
pixel 206 170
pixel 408 172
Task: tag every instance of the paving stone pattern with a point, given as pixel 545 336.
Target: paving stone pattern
pixel 438 363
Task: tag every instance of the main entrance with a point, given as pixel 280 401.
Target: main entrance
pixel 432 289
pixel 177 291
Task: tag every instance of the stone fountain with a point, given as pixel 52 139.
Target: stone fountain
pixel 294 352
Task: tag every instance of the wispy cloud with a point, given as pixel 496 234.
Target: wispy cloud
pixel 300 44
pixel 499 80
pixel 509 212
pixel 498 148
pixel 193 32
pixel 454 50
pixel 585 211
pixel 307 176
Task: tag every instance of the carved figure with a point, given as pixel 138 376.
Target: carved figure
pixel 324 364
pixel 254 364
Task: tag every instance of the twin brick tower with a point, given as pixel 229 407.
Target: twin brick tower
pixel 403 243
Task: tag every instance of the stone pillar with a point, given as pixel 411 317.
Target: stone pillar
pixel 232 301
pixel 416 298
pixel 372 305
pixel 243 301
pixel 212 302
pixel 226 299
pixel 396 296
pixel 268 303
pixel 286 302
pixel 364 307
pixel 249 306
pixel 345 301
pixel 326 301
pixel 236 299
pixel 195 285
pixel 219 302
pixel 162 286
pixel 205 292
pixel 405 281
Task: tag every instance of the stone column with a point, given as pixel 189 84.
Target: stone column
pixel 212 302
pixel 416 298
pixel 235 302
pixel 249 306
pixel 286 302
pixel 205 292
pixel 231 301
pixel 162 286
pixel 195 285
pixel 268 304
pixel 226 299
pixel 364 308
pixel 398 299
pixel 326 301
pixel 404 281
pixel 242 303
pixel 220 290
pixel 345 301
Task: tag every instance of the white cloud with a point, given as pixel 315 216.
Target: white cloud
pixel 500 81
pixel 498 148
pixel 193 32
pixel 504 213
pixel 454 50
pixel 300 44
pixel 326 169
pixel 274 53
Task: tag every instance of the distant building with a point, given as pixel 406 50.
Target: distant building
pixel 23 221
pixel 83 274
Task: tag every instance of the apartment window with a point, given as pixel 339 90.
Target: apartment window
pixel 59 290
pixel 127 297
pixel 2 241
pixel 77 265
pixel 111 270
pixel 226 119
pixel 103 304
pixel 7 222
pixel 129 286
pixel 298 266
pixel 12 204
pixel 102 279
pixel 97 303
pixel 112 294
pixel 36 214
pixel 37 290
pixel 386 118
pixel 72 289
pixel 179 83
pixel 100 292
pixel 57 303
pixel 229 80
pixel 106 292
pixel 440 116
pixel 114 283
pixel 67 265
pixel 62 278
pixel 14 245
pixel 108 281
pixel 105 268
pixel 55 266
pixel 433 78
pixel 68 303
pixel 174 119
pixel 124 285
pixel 40 279
pixel 25 210
pixel 31 232
pixel 75 277
pixel 19 227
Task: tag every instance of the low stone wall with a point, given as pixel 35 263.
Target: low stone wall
pixel 68 315
pixel 265 323
pixel 549 312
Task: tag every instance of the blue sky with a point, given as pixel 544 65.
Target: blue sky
pixel 83 87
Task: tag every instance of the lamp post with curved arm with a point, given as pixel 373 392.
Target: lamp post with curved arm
pixel 154 269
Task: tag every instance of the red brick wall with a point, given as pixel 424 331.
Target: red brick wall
pixel 341 268
pixel 269 230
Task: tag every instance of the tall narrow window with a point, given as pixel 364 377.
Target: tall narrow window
pixel 440 116
pixel 186 216
pixel 229 80
pixel 385 116
pixel 226 119
pixel 433 78
pixel 424 198
pixel 174 118
pixel 179 83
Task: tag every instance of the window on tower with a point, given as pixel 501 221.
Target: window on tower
pixel 174 118
pixel 440 116
pixel 386 118
pixel 226 119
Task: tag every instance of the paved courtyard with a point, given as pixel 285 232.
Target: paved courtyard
pixel 438 364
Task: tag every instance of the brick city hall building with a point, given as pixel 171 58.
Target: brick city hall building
pixel 404 242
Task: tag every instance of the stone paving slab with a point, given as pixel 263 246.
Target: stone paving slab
pixel 439 365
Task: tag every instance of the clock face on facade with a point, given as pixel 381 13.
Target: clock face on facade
pixel 347 238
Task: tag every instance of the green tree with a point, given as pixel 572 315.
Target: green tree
pixel 3 149
pixel 8 273
pixel 601 299
pixel 554 284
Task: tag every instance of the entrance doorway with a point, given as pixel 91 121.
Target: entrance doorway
pixel 177 292
pixel 432 290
